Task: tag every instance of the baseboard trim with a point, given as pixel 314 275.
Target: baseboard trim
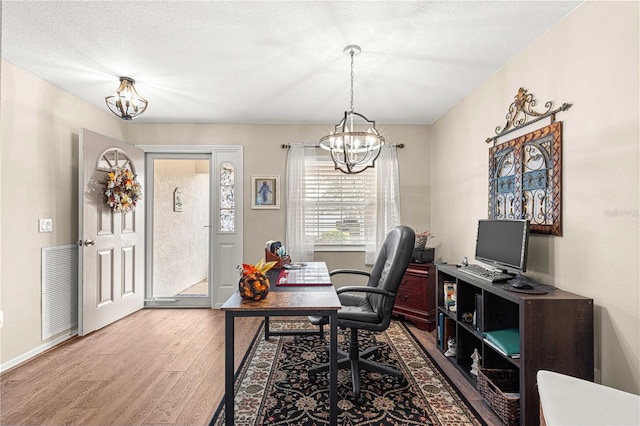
pixel 37 351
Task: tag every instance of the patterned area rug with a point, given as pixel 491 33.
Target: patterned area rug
pixel 273 387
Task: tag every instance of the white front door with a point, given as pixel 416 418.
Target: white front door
pixel 111 242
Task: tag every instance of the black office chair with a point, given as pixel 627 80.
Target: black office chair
pixel 370 307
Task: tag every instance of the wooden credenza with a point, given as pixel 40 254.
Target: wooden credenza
pixel 416 296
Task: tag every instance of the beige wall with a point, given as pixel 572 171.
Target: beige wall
pixel 39 170
pixel 263 155
pixel 590 60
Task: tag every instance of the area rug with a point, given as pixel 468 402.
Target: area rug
pixel 272 385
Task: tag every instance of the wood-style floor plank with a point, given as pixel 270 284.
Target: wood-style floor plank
pixel 157 366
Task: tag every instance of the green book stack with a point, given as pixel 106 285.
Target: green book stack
pixel 506 341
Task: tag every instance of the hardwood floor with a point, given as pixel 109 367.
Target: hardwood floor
pixel 157 366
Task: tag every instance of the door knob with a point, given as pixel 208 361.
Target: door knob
pixel 89 242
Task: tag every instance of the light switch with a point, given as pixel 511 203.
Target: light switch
pixel 46 225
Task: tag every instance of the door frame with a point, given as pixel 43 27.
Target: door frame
pixel 177 301
pixel 217 288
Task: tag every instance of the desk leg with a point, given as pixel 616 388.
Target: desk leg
pixel 333 368
pixel 229 368
pixel 266 328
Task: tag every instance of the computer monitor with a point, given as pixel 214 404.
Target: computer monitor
pixel 503 243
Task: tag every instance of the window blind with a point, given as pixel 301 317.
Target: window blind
pixel 340 209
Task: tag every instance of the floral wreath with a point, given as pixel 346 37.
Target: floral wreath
pixel 123 190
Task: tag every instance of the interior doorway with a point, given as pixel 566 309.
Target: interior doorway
pixel 214 235
pixel 180 228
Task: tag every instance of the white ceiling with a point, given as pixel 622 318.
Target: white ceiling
pixel 275 61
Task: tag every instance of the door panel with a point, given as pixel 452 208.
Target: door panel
pixel 227 244
pixel 128 269
pixel 105 278
pixel 112 243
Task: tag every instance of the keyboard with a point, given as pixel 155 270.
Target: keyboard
pixel 485 274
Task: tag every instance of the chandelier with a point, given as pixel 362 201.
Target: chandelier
pixel 126 103
pixel 355 143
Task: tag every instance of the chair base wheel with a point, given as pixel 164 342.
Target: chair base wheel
pixel 403 381
pixel 359 400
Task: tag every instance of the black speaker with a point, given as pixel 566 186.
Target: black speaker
pixel 425 255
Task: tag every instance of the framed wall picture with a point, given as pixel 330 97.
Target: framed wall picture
pixel 265 192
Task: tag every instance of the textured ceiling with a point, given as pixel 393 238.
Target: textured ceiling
pixel 274 62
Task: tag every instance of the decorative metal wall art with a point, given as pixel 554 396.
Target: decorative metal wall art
pixel 521 114
pixel 525 173
pixel 525 179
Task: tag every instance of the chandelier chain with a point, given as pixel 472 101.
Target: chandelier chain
pixel 352 74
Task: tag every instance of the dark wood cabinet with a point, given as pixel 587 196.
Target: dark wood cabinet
pixel 556 331
pixel 415 301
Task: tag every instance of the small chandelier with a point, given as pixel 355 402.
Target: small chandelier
pixel 355 143
pixel 126 103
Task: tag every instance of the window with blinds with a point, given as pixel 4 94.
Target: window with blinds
pixel 340 209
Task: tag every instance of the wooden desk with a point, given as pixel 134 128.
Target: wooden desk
pixel 314 277
pixel 294 301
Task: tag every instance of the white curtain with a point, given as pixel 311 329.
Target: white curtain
pixel 298 246
pixel 387 200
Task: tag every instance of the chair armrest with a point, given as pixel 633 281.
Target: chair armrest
pixel 364 289
pixel 349 271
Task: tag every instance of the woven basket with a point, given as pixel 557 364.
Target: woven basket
pixel 500 388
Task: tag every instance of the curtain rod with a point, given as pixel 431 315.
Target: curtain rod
pixel 287 145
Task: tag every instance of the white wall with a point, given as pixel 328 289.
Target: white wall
pixel 590 59
pixel 180 239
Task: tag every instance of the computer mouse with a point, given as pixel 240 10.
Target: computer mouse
pixel 521 285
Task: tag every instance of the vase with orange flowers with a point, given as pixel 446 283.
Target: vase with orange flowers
pixel 254 284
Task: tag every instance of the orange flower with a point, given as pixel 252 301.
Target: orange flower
pixel 248 268
pixel 259 268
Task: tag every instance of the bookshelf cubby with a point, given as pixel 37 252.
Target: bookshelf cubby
pixel 556 331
